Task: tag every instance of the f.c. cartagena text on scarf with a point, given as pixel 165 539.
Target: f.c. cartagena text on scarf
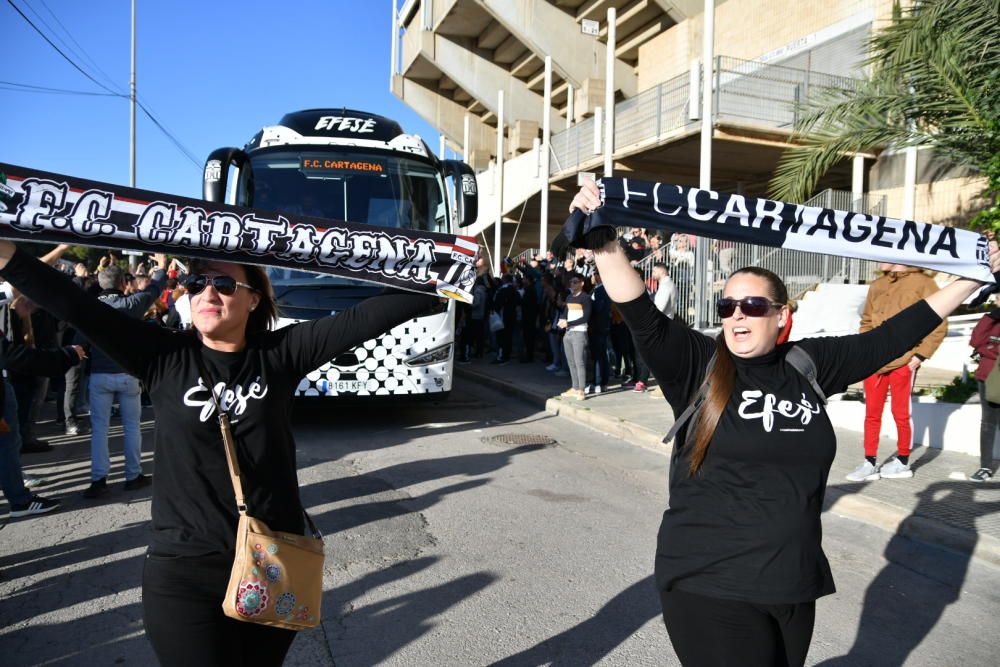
pixel 52 208
pixel 766 222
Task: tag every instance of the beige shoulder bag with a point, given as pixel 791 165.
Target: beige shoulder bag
pixel 277 577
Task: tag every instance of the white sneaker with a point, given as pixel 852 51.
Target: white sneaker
pixel 598 389
pixel 587 389
pixel 866 472
pixel 895 469
pixel 551 367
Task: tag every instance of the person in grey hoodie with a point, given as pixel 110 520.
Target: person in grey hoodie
pixel 109 383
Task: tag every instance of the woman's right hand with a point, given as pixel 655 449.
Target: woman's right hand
pixel 588 199
pixel 6 252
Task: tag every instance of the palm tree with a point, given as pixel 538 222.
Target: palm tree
pixel 934 81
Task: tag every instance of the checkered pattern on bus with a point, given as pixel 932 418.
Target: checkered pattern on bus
pixel 380 368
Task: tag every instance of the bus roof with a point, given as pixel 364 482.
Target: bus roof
pixel 339 126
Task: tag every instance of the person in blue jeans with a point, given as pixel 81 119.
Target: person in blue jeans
pixel 110 384
pixel 14 356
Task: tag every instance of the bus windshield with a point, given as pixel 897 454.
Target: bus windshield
pixel 357 186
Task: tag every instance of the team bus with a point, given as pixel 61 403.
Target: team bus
pixel 359 167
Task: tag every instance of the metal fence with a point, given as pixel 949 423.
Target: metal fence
pixel 745 92
pixel 845 200
pixel 748 92
pixel 647 117
pixel 801 271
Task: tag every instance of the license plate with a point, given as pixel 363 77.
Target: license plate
pixel 352 386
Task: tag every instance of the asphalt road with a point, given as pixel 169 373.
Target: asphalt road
pixel 447 548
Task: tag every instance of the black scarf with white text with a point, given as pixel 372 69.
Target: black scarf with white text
pixel 52 208
pixel 765 222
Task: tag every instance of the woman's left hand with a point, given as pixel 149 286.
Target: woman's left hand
pixel 994 257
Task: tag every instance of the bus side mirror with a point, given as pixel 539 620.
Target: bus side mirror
pixel 214 185
pixel 466 191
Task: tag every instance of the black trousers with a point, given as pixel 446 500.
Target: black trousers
pixel 711 632
pixel 74 382
pixel 987 427
pixel 182 614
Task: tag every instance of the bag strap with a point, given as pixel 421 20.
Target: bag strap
pixel 227 436
pixel 230 446
pixel 804 364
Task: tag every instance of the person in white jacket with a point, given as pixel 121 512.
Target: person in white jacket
pixel 666 293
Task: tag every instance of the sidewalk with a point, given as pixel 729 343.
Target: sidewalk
pixel 937 505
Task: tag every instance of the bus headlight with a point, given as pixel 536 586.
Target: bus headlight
pixel 435 356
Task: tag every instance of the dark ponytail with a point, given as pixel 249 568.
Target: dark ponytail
pixel 722 378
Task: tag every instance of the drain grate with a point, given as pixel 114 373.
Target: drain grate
pixel 518 439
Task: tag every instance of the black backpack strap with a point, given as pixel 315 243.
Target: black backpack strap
pixel 804 364
pixel 692 407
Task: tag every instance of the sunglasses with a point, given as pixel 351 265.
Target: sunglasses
pixel 751 306
pixel 225 285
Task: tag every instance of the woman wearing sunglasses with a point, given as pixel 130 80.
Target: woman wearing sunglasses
pixel 254 371
pixel 739 562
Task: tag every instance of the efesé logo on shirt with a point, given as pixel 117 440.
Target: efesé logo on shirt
pixel 232 400
pixel 758 405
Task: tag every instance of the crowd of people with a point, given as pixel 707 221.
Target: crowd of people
pixel 48 359
pixel 555 311
pixel 591 317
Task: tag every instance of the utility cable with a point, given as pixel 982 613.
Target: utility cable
pixel 82 51
pixel 68 59
pixel 28 88
pixel 145 109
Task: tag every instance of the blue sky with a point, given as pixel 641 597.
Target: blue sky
pixel 212 71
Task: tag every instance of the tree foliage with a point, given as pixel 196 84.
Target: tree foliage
pixel 934 81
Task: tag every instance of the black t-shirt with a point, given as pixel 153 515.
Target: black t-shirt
pixel 747 526
pixel 194 507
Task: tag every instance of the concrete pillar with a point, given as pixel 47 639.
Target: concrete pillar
pixel 598 124
pixel 497 256
pixel 910 183
pixel 465 139
pixel 588 98
pixel 858 184
pixel 394 49
pixel 570 93
pixel 543 231
pixel 609 97
pixel 523 136
pixel 701 266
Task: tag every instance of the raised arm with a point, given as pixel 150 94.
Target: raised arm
pixel 951 296
pixel 128 341
pixel 845 360
pixel 308 345
pixel 620 279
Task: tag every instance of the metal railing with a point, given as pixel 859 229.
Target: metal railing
pixel 745 92
pixel 845 200
pixel 801 272
pixel 749 92
pixel 525 257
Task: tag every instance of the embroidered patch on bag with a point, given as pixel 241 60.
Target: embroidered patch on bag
pixel 251 598
pixel 285 604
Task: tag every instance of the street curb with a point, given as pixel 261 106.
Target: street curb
pixel 985 548
pixel 575 410
pixel 613 426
